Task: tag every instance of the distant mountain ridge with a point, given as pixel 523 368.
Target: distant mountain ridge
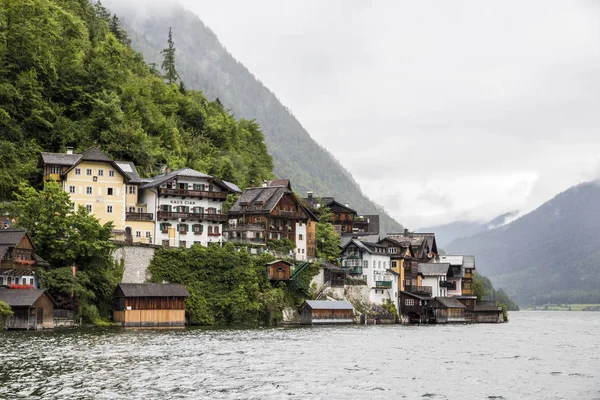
pixel 549 255
pixel 444 234
pixel 204 64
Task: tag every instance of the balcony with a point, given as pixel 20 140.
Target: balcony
pixel 448 285
pixel 195 216
pixel 418 290
pixel 133 216
pixel 247 240
pixel 192 193
pixel 383 284
pixel 288 214
pixel 243 227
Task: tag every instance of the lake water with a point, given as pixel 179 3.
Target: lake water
pixel 538 355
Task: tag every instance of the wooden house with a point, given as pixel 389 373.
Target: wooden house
pixel 335 275
pixel 18 259
pixel 412 307
pixel 488 312
pixel 32 308
pixel 469 302
pixel 279 270
pixel 326 312
pixel 445 310
pixel 149 304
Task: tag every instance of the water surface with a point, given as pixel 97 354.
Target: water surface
pixel 538 355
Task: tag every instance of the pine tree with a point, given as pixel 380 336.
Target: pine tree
pixel 121 34
pixel 168 64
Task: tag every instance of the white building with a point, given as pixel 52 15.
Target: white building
pixel 187 205
pixel 371 262
pixel 436 276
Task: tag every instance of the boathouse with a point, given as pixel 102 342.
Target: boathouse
pixel 326 312
pixel 445 310
pixel 149 304
pixel 488 312
pixel 32 308
pixel 279 270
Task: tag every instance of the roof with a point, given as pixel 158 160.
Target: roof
pixel 11 237
pixel 153 290
pixel 233 187
pixel 280 182
pixel 414 295
pixel 469 262
pixel 366 246
pixel 452 259
pixel 258 199
pixel 183 172
pixel 60 158
pixel 20 297
pixel 328 305
pixel 130 170
pixel 433 269
pixel 279 261
pixel 423 244
pixel 447 302
pixel 487 308
pixel 95 154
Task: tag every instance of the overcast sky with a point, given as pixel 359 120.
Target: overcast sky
pixel 441 110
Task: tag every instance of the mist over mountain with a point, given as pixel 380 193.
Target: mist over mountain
pixel 446 233
pixel 549 255
pixel 203 63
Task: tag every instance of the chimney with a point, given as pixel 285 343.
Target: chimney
pixel 406 233
pixel 347 205
pixel 167 170
pixel 251 183
pixel 265 183
pixel 69 150
pixel 309 195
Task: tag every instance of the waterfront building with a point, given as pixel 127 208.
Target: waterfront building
pixel 18 259
pixel 149 305
pixel 445 310
pixel 412 306
pixel 108 189
pixel 371 263
pixel 435 275
pixel 273 212
pixel 188 207
pixel 32 308
pixel 326 312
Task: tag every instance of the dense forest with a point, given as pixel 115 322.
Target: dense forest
pixel 205 64
pixel 550 255
pixel 68 77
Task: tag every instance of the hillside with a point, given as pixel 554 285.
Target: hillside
pixel 549 255
pixel 69 78
pixel 444 234
pixel 204 64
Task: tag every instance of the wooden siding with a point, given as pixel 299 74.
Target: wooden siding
pixel 279 271
pixel 149 318
pixel 309 316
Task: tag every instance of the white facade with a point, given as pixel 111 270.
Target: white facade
pixel 187 209
pixel 300 241
pixel 436 289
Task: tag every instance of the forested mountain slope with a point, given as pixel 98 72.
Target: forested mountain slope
pixel 549 255
pixel 69 78
pixel 204 64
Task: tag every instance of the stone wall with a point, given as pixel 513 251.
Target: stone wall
pixel 137 260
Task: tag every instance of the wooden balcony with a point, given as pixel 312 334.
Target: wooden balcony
pixel 288 214
pixel 139 216
pixel 247 240
pixel 243 227
pixel 193 216
pixel 448 285
pixel 418 290
pixel 192 193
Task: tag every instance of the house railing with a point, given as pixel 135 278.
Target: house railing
pixel 139 216
pixel 383 284
pixel 246 240
pixel 243 227
pixel 448 285
pixel 426 290
pixel 289 214
pixel 192 193
pixel 196 216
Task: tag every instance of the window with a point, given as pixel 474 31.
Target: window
pixel 210 229
pixel 55 169
pixel 216 230
pixel 394 264
pixel 109 209
pixel 140 209
pixel 17 280
pixel 131 189
pixel 182 243
pixel 165 242
pixel 89 190
pixel 366 264
pixel 100 172
pixel 72 189
pixel 111 173
pixel 109 191
pixel 138 234
pixel 77 171
pixel 300 237
pixel 131 209
pixel 31 281
pixel 89 207
pixel 148 234
pixel 198 229
pixel 302 251
pixel 88 171
pixel 409 302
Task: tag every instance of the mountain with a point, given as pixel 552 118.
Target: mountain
pixel 444 234
pixel 549 255
pixel 203 63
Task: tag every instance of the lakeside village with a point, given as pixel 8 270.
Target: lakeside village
pixel 397 278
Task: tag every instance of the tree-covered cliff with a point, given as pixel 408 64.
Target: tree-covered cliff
pixel 205 64
pixel 69 78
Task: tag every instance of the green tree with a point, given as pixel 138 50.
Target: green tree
pixel 5 311
pixel 480 289
pixel 328 240
pixel 168 64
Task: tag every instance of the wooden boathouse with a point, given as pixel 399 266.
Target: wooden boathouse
pixel 326 312
pixel 279 270
pixel 149 305
pixel 32 308
pixel 443 310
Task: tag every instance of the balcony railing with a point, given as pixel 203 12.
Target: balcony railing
pixel 448 285
pixel 195 216
pixel 420 290
pixel 288 214
pixel 192 193
pixel 383 284
pixel 247 240
pixel 139 216
pixel 243 227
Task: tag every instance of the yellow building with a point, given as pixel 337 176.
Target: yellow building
pixel 108 189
